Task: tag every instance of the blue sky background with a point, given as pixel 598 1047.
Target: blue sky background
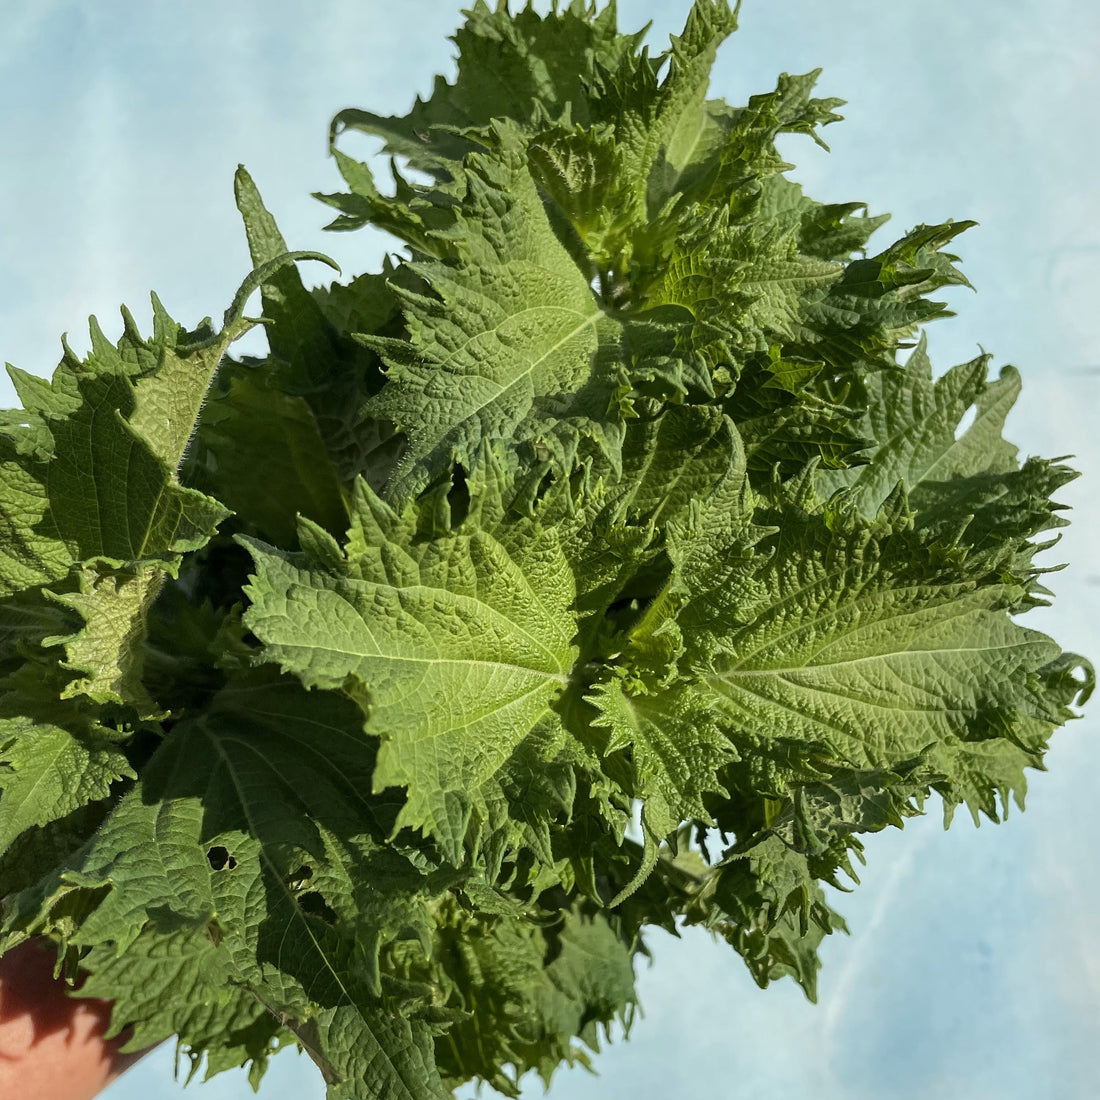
pixel 973 968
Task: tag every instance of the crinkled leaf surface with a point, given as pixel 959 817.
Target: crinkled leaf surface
pixel 174 984
pixel 613 495
pixel 99 488
pixel 89 484
pixel 459 644
pixel 511 342
pixel 232 870
pixel 527 991
pixel 510 66
pixel 54 757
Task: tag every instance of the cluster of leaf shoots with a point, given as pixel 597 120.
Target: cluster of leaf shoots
pixel 597 565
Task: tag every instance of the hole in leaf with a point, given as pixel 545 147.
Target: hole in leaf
pixel 316 906
pixel 967 421
pixel 458 498
pixel 220 859
pixel 544 485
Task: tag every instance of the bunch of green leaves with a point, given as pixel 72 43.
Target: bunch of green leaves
pixel 611 559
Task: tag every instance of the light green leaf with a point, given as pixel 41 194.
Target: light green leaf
pixel 511 344
pixel 459 644
pixel 678 748
pixel 102 491
pixel 914 423
pixel 861 647
pixel 109 649
pixel 46 772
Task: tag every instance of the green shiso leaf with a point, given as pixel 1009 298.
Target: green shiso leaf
pixel 457 646
pixel 612 558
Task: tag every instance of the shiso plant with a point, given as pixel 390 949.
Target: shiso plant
pixel 611 559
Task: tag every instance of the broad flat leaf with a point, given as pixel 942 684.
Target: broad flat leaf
pixel 861 647
pixel 47 773
pixel 40 850
pixel 511 343
pixel 101 490
pixel 459 644
pixel 914 423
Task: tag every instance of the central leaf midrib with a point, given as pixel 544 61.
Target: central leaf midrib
pixel 587 321
pixel 816 620
pixel 484 611
pixel 737 672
